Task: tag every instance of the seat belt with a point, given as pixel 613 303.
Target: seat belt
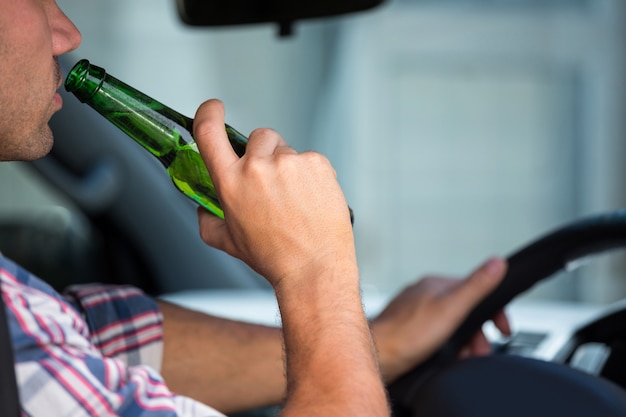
pixel 9 397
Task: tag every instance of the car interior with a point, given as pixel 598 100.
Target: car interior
pixel 122 221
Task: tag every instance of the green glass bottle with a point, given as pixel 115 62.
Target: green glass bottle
pixel 165 133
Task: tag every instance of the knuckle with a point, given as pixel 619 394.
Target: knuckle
pixel 263 133
pixel 284 159
pixel 317 160
pixel 254 167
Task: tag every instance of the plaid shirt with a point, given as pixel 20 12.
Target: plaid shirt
pixel 95 351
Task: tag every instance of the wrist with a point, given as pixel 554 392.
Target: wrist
pixel 322 272
pixel 329 349
pixel 320 293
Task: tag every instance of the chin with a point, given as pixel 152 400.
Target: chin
pixel 45 142
pixel 40 152
pixel 35 147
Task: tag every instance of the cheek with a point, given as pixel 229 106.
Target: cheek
pixel 21 95
pixel 25 44
pixel 24 131
pixel 27 80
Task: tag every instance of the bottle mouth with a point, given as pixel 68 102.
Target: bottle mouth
pixel 78 77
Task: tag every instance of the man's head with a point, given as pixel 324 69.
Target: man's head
pixel 32 34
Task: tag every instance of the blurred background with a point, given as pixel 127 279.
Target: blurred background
pixel 459 129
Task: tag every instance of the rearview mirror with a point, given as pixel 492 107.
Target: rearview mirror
pixel 283 12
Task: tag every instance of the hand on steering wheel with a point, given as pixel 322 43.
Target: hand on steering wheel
pixel 424 315
pixel 443 387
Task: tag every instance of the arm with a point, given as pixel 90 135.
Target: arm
pixel 232 366
pixel 331 365
pixel 236 366
pixel 321 286
pixel 286 217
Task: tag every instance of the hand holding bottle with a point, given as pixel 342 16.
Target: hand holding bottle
pixel 159 129
pixel 283 210
pixel 285 216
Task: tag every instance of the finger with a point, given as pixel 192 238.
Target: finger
pixel 480 283
pixel 214 231
pixel 211 138
pixel 479 345
pixel 501 321
pixel 465 353
pixel 264 142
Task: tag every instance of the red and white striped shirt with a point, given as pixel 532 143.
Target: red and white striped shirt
pixel 95 351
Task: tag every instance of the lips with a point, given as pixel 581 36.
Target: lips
pixel 58 75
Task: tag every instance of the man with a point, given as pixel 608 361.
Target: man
pixel 100 351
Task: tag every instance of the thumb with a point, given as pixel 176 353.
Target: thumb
pixel 210 135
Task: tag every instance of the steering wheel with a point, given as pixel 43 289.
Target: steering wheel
pixel 497 385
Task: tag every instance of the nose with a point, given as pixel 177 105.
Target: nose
pixel 65 35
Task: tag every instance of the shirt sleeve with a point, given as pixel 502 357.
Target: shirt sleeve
pixel 59 369
pixel 123 322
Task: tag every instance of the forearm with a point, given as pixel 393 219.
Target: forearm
pixel 331 362
pixel 229 365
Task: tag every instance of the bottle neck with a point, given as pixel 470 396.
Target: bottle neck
pixel 156 127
